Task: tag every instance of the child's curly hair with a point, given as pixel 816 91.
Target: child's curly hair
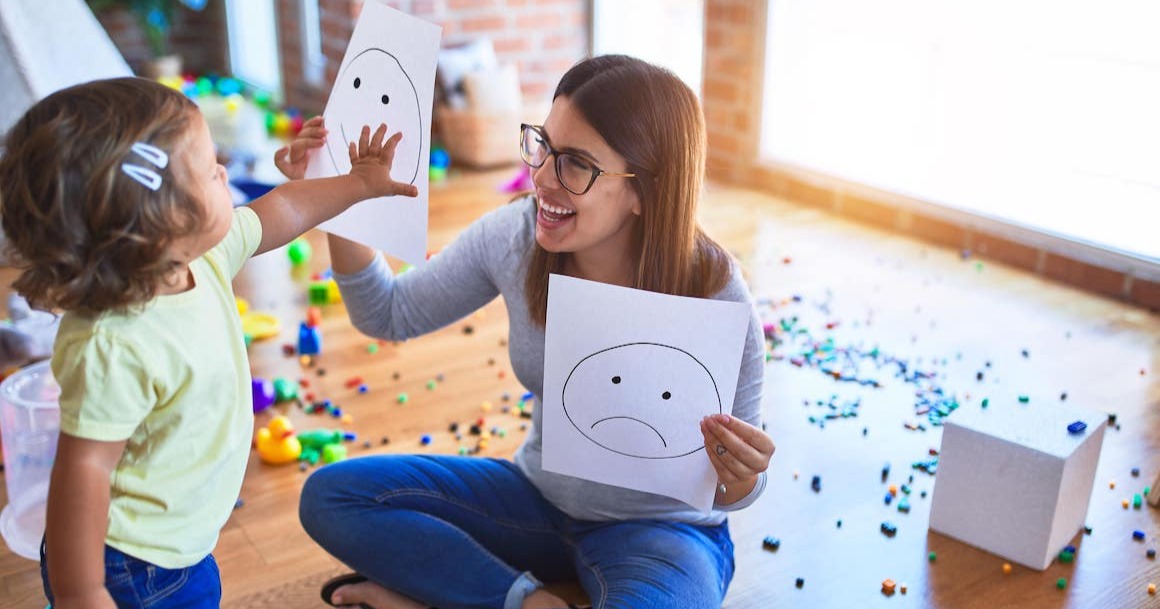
pixel 88 237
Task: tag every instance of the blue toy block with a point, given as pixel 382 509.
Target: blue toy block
pixel 309 340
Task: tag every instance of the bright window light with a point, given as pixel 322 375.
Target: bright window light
pixel 669 33
pixel 1037 113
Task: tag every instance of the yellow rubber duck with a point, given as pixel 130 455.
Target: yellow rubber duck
pixel 276 443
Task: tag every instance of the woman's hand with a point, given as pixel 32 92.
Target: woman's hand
pixel 738 451
pixel 371 161
pixel 291 160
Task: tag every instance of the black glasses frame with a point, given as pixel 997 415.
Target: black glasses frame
pixel 558 155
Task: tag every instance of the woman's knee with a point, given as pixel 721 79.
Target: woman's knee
pixel 321 496
pixel 350 484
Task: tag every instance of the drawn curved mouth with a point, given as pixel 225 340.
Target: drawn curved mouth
pixel 345 140
pixel 654 429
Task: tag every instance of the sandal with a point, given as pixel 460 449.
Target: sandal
pixel 335 583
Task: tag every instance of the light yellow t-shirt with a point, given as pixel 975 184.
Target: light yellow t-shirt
pixel 174 380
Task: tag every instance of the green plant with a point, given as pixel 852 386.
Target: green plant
pixel 154 16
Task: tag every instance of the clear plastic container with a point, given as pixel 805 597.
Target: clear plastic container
pixel 29 426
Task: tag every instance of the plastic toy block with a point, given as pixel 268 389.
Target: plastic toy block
pixel 309 340
pixel 333 295
pixel 285 390
pixel 319 293
pixel 263 393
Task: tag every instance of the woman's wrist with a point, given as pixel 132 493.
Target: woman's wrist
pixel 734 491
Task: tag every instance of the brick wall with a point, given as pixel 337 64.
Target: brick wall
pixel 543 38
pixel 198 37
pixel 731 95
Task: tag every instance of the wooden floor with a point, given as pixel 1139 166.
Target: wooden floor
pixel 928 307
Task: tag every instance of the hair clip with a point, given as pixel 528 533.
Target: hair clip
pixel 147 177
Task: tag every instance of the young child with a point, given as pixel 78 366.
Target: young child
pixel 119 215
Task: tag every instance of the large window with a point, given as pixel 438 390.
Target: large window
pixel 313 59
pixel 1038 113
pixel 254 43
pixel 669 33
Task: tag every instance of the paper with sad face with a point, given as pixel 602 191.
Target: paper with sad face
pixel 628 375
pixel 387 76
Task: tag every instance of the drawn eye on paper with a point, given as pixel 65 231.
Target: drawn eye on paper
pixel 633 399
pixel 372 89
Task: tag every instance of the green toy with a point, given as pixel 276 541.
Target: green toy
pixel 316 442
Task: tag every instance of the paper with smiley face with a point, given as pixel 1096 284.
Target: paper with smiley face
pixel 628 376
pixel 387 76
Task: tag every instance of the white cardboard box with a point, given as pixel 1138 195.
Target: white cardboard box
pixel 1014 482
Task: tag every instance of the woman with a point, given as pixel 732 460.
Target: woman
pixel 618 168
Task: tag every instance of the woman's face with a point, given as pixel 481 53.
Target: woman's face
pixel 601 218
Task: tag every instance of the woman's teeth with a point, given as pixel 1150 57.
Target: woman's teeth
pixel 554 213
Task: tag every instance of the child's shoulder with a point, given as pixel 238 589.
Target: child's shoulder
pixel 106 331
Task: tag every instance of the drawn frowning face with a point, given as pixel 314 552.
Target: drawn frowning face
pixel 374 89
pixel 632 399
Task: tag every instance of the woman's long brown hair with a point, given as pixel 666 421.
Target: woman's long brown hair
pixel 653 120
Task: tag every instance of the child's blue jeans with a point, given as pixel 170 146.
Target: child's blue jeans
pixel 135 583
pixel 458 532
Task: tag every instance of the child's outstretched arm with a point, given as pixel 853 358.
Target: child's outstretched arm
pixel 78 518
pixel 346 256
pixel 292 208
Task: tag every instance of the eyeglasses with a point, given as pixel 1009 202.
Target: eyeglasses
pixel 576 174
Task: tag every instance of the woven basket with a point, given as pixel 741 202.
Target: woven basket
pixel 475 139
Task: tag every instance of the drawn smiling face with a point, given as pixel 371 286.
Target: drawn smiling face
pixel 631 400
pixel 374 89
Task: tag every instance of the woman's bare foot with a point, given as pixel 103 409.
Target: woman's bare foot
pixel 542 599
pixel 373 595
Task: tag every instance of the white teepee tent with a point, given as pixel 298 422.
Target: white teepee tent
pixel 47 45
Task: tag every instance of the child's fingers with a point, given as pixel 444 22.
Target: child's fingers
pixel 353 153
pixel 317 121
pixel 387 155
pixel 364 140
pixel 377 141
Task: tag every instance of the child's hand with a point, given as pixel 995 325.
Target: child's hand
pixel 291 160
pixel 371 161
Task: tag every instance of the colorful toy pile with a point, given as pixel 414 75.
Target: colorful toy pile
pixel 279 122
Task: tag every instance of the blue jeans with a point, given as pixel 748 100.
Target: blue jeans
pixel 458 532
pixel 135 583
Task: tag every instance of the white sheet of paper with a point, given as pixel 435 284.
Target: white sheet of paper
pixel 387 76
pixel 628 376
